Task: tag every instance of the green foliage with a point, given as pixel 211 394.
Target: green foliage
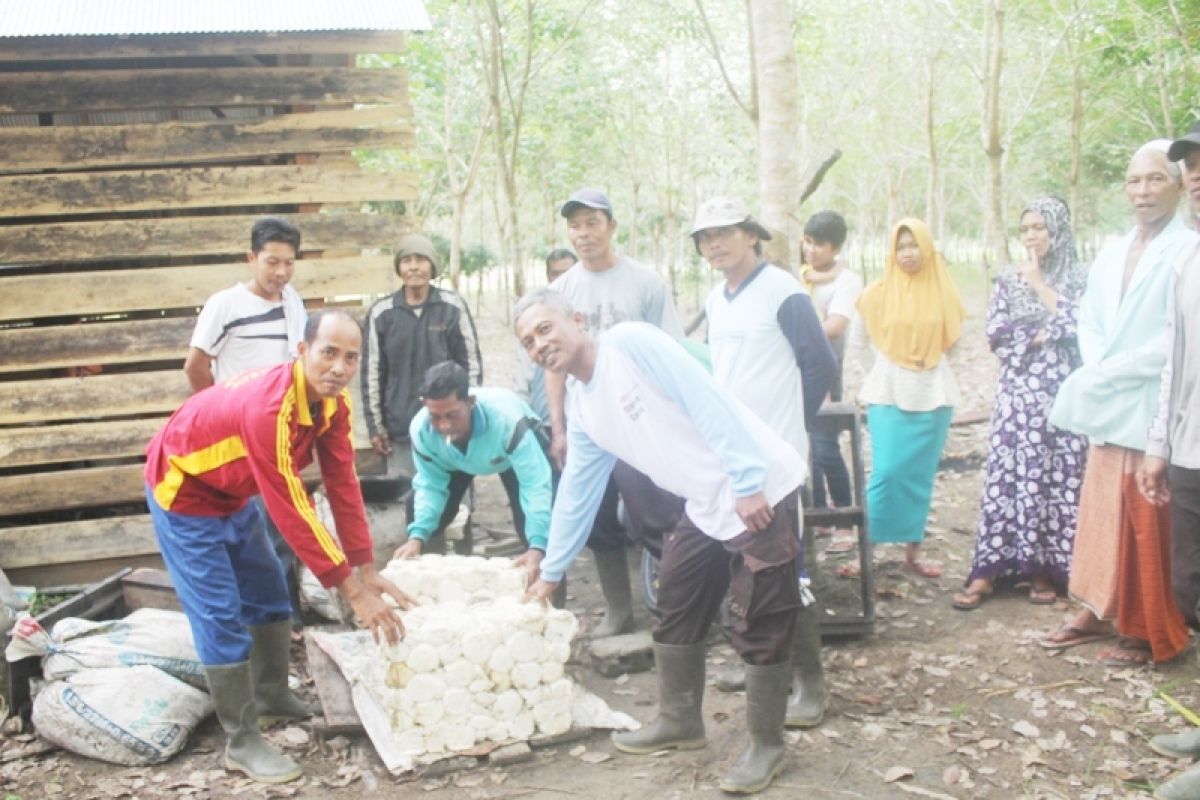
pixel 40 601
pixel 630 98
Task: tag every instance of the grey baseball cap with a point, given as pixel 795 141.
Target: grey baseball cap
pixel 587 198
pixel 1180 147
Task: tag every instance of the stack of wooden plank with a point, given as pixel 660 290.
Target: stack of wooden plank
pixel 131 169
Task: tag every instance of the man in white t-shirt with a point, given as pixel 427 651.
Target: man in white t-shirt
pixel 769 351
pixel 257 323
pixel 605 289
pixel 638 396
pixel 252 324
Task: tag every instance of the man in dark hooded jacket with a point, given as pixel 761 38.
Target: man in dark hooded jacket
pixel 406 334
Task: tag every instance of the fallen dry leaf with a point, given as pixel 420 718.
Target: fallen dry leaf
pixel 1026 728
pixel 917 790
pixel 595 758
pixel 951 775
pixel 896 774
pixel 296 737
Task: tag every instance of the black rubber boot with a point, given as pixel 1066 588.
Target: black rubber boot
pixel 680 722
pixel 766 703
pixel 1185 786
pixel 247 751
pixel 807 704
pixel 269 658
pixel 613 570
pixel 1177 745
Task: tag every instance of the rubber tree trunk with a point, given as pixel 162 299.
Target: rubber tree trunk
pixel 772 25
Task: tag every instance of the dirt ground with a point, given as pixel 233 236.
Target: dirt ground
pixel 934 703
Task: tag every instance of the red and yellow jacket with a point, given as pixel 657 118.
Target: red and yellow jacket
pixel 252 435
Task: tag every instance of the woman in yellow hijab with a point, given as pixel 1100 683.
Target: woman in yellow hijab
pixel 908 321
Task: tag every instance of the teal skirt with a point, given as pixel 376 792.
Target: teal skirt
pixel 906 447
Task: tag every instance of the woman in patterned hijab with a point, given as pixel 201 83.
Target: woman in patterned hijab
pixel 1051 264
pixel 1034 472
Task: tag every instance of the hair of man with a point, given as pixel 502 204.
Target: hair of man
pixel 1161 147
pixel 313 324
pixel 273 229
pixel 555 301
pixel 444 379
pixel 558 254
pixel 826 226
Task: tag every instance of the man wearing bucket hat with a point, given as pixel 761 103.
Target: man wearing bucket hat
pixel 605 289
pixel 406 334
pixel 770 351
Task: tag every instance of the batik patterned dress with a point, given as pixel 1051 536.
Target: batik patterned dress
pixel 1034 471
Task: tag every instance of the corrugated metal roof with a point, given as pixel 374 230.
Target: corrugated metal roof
pixel 150 17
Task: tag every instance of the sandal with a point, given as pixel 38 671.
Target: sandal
pixel 1068 635
pixel 925 569
pixel 1043 597
pixel 1127 653
pixel 841 545
pixel 970 599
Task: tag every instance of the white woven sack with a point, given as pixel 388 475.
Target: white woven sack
pixel 149 636
pixel 126 715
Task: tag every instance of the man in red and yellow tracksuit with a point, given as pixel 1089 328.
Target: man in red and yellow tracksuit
pixel 252 435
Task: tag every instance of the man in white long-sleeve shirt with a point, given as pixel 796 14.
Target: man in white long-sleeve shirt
pixel 637 396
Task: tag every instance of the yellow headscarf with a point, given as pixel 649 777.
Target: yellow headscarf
pixel 913 319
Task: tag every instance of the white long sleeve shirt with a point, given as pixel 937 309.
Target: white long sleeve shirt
pixel 651 405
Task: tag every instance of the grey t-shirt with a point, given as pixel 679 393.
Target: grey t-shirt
pixel 625 292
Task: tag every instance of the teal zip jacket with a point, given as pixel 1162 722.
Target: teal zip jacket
pixel 503 436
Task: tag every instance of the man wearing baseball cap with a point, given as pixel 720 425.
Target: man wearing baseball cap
pixel 770 351
pixel 605 289
pixel 406 334
pixel 1187 150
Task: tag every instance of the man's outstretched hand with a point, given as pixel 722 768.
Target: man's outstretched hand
pixel 365 591
pixel 540 591
pixel 531 562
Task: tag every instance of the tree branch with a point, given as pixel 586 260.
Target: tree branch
pixel 752 113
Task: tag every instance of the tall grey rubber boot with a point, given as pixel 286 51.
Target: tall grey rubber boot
pixel 270 655
pixel 766 703
pixel 613 569
pixel 680 722
pixel 807 704
pixel 1185 786
pixel 1177 745
pixel 232 690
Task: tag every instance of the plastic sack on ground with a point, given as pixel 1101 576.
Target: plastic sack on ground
pixel 149 636
pixel 469 675
pixel 135 716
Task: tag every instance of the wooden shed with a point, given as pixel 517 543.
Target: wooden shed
pixel 139 139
